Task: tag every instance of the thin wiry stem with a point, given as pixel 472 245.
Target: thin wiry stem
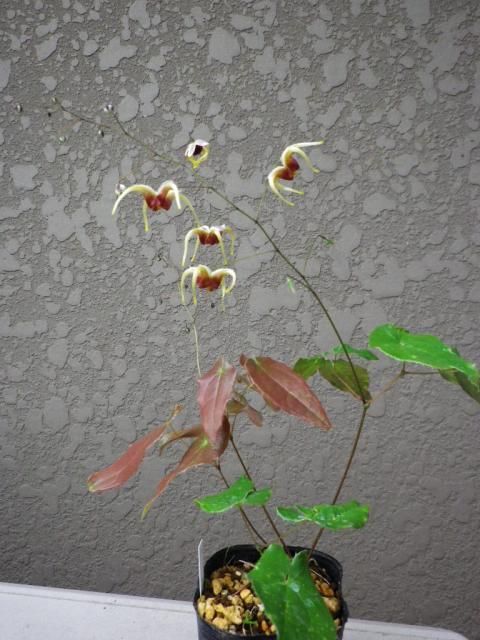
pixel 358 433
pixel 248 523
pixel 305 282
pixel 78 116
pixel 264 508
pixel 346 470
pixel 424 373
pixel 389 385
pixel 301 277
pixel 197 342
pixel 142 143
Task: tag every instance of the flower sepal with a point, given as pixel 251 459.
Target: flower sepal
pixel 167 193
pixel 289 168
pixel 206 235
pixel 204 278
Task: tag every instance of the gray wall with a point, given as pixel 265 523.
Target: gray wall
pixel 95 343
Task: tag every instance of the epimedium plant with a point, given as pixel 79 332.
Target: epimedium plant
pixel 282 580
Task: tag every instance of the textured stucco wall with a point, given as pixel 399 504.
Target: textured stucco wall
pixel 95 343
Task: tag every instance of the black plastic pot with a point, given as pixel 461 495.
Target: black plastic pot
pixel 248 553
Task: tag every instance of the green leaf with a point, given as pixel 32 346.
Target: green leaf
pixel 306 367
pixel 240 493
pixel 258 498
pixel 366 354
pixel 290 514
pixel 424 349
pixel 350 515
pixel 339 374
pixel 290 597
pixel 470 388
pixel 231 497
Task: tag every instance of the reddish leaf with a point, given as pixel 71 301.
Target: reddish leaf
pixel 283 388
pixel 168 438
pixel 254 416
pixel 128 464
pixel 240 405
pixel 215 389
pixel 200 452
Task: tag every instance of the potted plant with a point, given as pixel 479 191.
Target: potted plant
pixel 269 587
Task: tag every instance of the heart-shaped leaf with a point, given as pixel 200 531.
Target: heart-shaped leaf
pixel 340 375
pixel 457 377
pixel 240 493
pixel 258 498
pixel 307 367
pixel 337 372
pixel 366 354
pixel 127 465
pixel 424 349
pixel 290 597
pixel 215 389
pixel 290 514
pixel 284 389
pixel 350 515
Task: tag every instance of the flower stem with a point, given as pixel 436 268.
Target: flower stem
pixel 301 276
pixel 197 344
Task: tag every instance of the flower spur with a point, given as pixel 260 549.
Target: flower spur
pixel 156 200
pixel 203 278
pixel 208 236
pixel 289 168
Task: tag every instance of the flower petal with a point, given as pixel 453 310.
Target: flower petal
pixel 273 183
pixel 144 189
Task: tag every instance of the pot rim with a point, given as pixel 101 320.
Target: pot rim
pixel 219 559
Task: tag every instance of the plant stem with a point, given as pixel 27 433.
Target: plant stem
pixel 197 343
pixel 302 278
pixel 346 470
pixel 423 373
pixel 389 385
pixel 248 523
pixel 386 388
pixel 145 145
pixel 264 508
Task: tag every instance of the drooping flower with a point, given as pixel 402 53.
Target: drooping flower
pixel 196 152
pixel 289 168
pixel 163 198
pixel 203 278
pixel 208 236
